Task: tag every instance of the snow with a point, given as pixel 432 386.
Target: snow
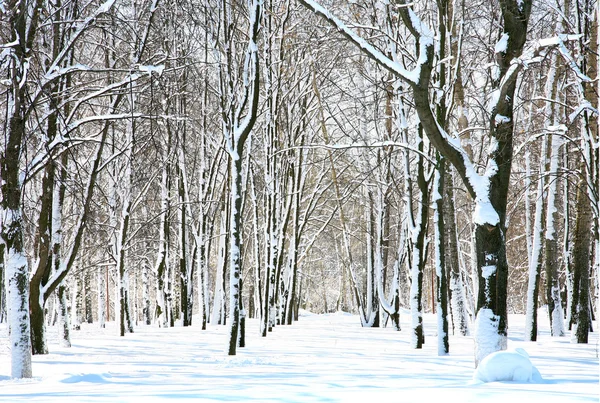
pixel 487 271
pixel 507 366
pixel 500 119
pixel 502 44
pixel 105 6
pixel 320 358
pixel 486 333
pixel 485 213
pixel 153 69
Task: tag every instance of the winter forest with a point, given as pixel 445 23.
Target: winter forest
pixel 233 161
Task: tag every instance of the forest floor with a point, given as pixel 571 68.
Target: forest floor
pixel 327 358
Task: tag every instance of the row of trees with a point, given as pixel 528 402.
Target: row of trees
pixel 156 153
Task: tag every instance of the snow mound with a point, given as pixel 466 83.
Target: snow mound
pixel 90 378
pixel 512 366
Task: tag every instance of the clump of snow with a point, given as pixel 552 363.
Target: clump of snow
pixel 511 366
pixel 487 271
pixel 153 69
pixel 485 213
pixel 502 44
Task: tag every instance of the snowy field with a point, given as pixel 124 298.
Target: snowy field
pixel 325 358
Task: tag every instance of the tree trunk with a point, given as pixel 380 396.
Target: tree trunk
pixel 535 260
pixel 162 258
pixel 2 289
pixel 555 308
pixel 235 250
pixel 76 303
pixel 236 134
pixel 102 293
pixel 580 314
pixel 440 258
pixel 64 328
pixel 456 291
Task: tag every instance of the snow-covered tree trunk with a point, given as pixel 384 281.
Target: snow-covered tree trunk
pixel 43 255
pixel 553 298
pixel 566 242
pixel 102 308
pixel 456 289
pixel 87 290
pixel 125 323
pixel 417 222
pixel 170 291
pixel 282 268
pixel 374 263
pixel 391 308
pixel 218 311
pixel 237 133
pixel 146 308
pixel 64 327
pixel 2 288
pixel 555 307
pixel 235 248
pixel 440 258
pixel 258 283
pixel 186 269
pixel 535 259
pixel 294 245
pixel 162 260
pixel 17 298
pixel 76 303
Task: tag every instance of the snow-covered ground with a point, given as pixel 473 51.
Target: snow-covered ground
pixel 321 358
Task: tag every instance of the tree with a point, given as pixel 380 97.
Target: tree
pixel 239 95
pixel 490 190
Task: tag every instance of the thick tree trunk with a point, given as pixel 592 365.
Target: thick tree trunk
pixel 492 270
pixel 17 286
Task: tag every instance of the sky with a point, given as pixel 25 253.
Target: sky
pixel 321 358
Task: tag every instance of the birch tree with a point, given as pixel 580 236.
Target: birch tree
pixel 19 43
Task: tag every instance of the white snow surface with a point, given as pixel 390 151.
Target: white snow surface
pixel 320 358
